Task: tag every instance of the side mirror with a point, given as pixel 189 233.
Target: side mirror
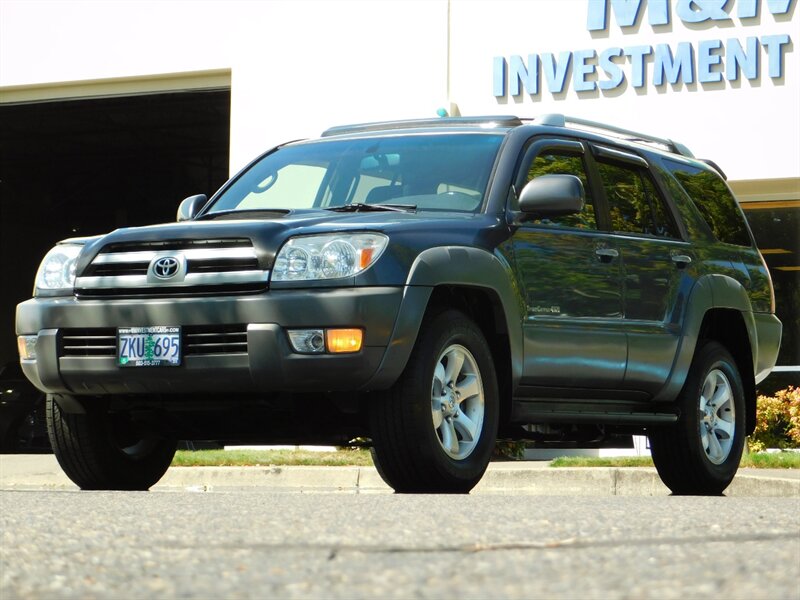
pixel 189 207
pixel 552 196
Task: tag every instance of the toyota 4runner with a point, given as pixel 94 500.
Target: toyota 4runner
pixel 426 286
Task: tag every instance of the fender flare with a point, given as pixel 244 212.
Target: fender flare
pixel 459 266
pixel 710 292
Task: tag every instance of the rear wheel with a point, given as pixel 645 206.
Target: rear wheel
pixel 99 450
pixel 701 453
pixel 434 431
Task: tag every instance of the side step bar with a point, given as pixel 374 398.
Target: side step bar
pixel 579 412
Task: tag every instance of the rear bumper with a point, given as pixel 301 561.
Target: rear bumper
pixel 269 363
pixel 769 330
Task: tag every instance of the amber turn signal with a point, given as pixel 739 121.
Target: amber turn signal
pixel 343 340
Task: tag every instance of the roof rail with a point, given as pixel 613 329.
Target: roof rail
pixel 559 120
pixel 496 120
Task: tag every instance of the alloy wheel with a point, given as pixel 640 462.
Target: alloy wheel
pixel 457 401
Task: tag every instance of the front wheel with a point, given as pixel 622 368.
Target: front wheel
pixel 701 453
pixel 99 450
pixel 434 431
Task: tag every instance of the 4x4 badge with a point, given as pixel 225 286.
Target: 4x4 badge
pixel 165 267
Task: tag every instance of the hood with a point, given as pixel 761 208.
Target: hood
pixel 268 235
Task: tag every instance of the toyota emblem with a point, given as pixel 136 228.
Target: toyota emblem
pixel 166 267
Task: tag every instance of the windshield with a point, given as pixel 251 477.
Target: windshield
pixel 447 172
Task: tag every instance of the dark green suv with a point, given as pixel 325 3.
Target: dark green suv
pixel 427 285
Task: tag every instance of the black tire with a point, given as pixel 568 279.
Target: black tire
pixel 687 462
pixel 99 451
pixel 408 446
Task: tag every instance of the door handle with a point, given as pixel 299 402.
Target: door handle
pixel 681 260
pixel 606 254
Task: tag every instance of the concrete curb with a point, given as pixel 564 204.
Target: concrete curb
pixel 501 478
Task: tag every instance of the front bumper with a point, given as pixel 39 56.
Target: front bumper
pixel 268 364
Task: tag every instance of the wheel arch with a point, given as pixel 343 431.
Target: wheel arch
pixel 477 282
pixel 719 309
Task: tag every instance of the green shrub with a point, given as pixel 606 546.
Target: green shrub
pixel 509 450
pixel 777 421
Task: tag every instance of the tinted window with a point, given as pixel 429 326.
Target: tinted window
pixel 432 172
pixel 635 205
pixel 714 201
pixel 550 163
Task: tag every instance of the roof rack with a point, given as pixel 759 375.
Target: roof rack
pixel 551 120
pixel 495 120
pixel 559 120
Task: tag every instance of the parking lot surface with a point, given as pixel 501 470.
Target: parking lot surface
pixel 289 544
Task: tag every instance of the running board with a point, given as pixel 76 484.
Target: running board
pixel 597 413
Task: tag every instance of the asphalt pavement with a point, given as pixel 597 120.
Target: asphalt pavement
pixel 310 544
pixel 19 472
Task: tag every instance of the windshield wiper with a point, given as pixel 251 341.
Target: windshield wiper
pixel 250 213
pixel 360 206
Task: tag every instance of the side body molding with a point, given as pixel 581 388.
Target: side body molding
pixel 456 266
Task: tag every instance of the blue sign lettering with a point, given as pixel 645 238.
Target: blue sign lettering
pixel 748 9
pixel 528 75
pixel 706 62
pixel 627 12
pixel 581 70
pixel 697 11
pixel 612 69
pixel 555 71
pixel 774 45
pixel 665 64
pixel 737 58
pixel 637 54
pixel 706 59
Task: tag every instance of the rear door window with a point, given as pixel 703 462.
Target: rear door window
pixel 634 203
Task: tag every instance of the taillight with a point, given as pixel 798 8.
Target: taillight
pixel 771 287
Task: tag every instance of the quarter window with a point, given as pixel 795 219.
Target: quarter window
pixel 714 201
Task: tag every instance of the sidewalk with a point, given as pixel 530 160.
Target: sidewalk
pixel 41 471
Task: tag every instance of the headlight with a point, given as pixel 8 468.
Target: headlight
pixel 57 271
pixel 329 256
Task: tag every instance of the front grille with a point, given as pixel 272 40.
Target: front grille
pixel 114 270
pixel 174 292
pixel 169 245
pixel 89 342
pixel 202 267
pixel 220 339
pixel 221 265
pixel 197 340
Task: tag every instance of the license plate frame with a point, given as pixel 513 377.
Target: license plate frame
pixel 155 346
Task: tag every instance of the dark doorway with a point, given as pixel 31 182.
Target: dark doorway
pixel 775 226
pixel 82 167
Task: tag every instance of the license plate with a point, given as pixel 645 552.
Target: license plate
pixel 149 346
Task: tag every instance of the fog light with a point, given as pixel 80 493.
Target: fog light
pixel 307 341
pixel 26 344
pixel 344 340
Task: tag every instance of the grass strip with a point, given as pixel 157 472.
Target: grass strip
pixel 362 458
pixel 264 458
pixel 760 460
pixel 771 460
pixel 595 461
